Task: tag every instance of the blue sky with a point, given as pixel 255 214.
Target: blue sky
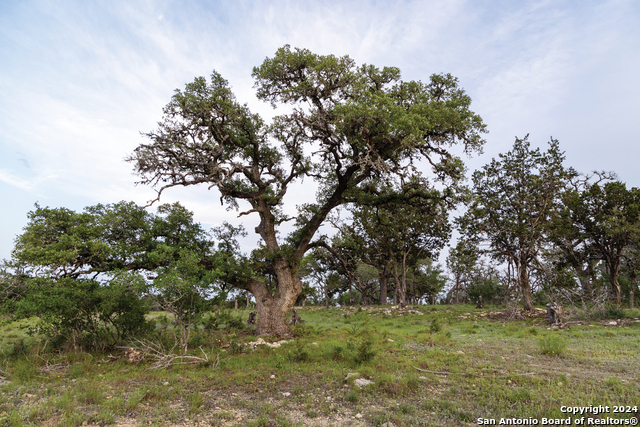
pixel 80 80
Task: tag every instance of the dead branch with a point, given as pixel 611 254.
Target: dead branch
pixel 54 369
pixel 472 374
pixel 162 358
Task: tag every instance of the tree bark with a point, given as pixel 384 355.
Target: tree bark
pixel 383 286
pixel 525 286
pixel 272 309
pixel 326 296
pixel 614 271
pixel 584 276
pixel 613 266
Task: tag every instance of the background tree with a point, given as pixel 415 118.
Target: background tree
pixel 85 274
pixel 427 280
pixel 632 269
pixel 63 258
pixel 514 199
pixel 398 225
pixel 607 216
pixel 461 262
pixel 348 125
pixel 315 267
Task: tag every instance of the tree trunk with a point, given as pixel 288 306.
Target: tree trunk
pixel 614 271
pixel 350 292
pixel 401 283
pixel 326 296
pixel 272 309
pixel 525 286
pixel 383 287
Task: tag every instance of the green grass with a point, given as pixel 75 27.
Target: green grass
pixel 472 365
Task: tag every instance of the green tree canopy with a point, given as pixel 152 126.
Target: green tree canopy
pixel 348 125
pixel 514 199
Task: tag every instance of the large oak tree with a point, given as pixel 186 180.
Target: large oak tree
pixel 347 125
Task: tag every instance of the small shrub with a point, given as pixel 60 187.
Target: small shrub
pixel 552 344
pixel 337 352
pixel 351 396
pixel 353 330
pixel 236 347
pixel 435 327
pixel 235 323
pixel 613 312
pixel 19 349
pixel 364 353
pixel 299 353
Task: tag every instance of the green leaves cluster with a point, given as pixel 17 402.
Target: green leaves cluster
pixel 514 199
pixel 91 276
pixel 348 128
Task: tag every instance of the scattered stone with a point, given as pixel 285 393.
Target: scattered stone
pixel 358 416
pixel 389 424
pixel 613 323
pixel 273 377
pixel 390 340
pixel 286 394
pixel 460 352
pixel 165 383
pixel 361 382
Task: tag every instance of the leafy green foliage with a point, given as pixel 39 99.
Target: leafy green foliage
pixel 350 127
pixel 603 221
pixel 90 276
pixel 514 200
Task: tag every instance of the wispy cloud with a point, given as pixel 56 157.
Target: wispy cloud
pixel 78 82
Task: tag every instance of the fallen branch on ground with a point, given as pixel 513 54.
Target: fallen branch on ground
pixel 162 358
pixel 472 374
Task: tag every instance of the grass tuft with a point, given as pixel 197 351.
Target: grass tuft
pixel 553 344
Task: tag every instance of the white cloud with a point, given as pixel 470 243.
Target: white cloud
pixel 77 84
